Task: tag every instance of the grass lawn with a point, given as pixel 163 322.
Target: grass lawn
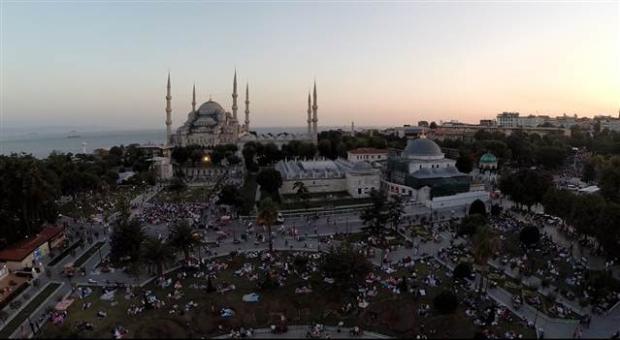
pixel 390 238
pixel 82 259
pixel 86 205
pixel 35 303
pixel 387 313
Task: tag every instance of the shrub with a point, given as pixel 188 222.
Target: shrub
pixel 470 224
pixel 529 235
pixel 266 282
pixel 300 263
pixel 462 271
pixel 446 302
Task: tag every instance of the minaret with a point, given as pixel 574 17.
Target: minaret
pixel 352 128
pixel 309 115
pixel 247 107
pixel 315 119
pixel 168 113
pixel 194 99
pixel 234 97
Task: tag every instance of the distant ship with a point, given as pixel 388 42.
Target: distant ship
pixel 73 134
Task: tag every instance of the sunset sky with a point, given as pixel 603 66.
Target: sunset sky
pixel 392 63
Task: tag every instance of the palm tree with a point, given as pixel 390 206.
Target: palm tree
pixel 485 244
pixel 301 192
pixel 267 214
pixel 157 252
pixel 182 237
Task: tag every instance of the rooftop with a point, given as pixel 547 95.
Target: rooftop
pixel 365 151
pixel 22 249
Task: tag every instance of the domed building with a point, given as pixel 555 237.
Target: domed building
pixel 488 161
pixel 211 124
pixel 422 173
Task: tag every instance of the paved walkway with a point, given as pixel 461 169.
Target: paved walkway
pixel 601 326
pixel 299 332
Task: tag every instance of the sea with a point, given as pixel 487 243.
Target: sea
pixel 41 142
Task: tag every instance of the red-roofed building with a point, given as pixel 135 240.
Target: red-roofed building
pixel 26 253
pixel 367 154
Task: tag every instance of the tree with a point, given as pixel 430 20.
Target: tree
pixel 526 186
pixel 230 195
pixel 433 125
pixel 607 232
pixel 301 192
pixel 610 179
pixel 529 235
pixel 551 157
pixel 395 210
pixel 559 203
pixel 249 154
pixel 589 171
pixel 269 154
pixel 586 213
pixel 325 148
pixel 464 163
pixel 375 216
pixel 462 271
pixel 157 252
pixel 267 215
pixel 126 239
pixel 28 194
pixel 346 266
pixel 478 207
pixel 471 224
pixel 496 210
pixel 181 237
pixel 484 246
pixel 445 302
pixel 270 181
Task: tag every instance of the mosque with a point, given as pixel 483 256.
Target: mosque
pixel 210 124
pixel 422 174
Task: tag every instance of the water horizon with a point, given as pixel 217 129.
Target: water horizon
pixel 67 139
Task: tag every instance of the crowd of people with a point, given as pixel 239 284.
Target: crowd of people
pixel 164 213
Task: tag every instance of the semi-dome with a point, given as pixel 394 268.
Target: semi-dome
pixel 422 147
pixel 210 108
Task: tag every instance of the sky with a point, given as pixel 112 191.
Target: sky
pixel 105 63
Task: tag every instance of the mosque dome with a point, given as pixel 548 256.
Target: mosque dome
pixel 422 147
pixel 488 158
pixel 208 115
pixel 210 108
